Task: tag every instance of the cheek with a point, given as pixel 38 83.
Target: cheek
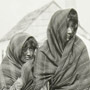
pixel 32 53
pixel 65 36
pixel 23 56
pixel 24 53
pixel 73 33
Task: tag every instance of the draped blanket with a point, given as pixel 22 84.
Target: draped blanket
pixel 65 68
pixel 10 68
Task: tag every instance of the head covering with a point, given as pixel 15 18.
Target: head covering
pixel 10 68
pixel 59 64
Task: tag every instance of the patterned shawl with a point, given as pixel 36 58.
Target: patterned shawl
pixel 10 68
pixel 65 68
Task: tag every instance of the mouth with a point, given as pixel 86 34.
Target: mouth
pixel 28 57
pixel 68 36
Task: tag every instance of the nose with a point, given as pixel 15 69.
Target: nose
pixel 28 52
pixel 69 31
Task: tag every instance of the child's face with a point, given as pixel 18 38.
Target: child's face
pixel 27 53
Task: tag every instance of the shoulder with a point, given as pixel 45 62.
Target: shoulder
pixel 41 51
pixel 79 43
pixel 39 55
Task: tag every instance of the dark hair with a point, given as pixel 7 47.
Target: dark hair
pixel 73 17
pixel 32 42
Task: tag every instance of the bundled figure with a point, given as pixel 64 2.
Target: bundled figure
pixel 20 52
pixel 63 60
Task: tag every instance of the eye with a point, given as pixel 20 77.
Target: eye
pixel 24 50
pixel 31 49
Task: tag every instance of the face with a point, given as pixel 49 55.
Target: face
pixel 70 31
pixel 27 53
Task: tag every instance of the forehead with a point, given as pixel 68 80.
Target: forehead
pixel 27 44
pixel 72 21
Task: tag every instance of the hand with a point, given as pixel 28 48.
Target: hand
pixel 17 85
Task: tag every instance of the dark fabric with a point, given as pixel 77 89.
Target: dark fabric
pixel 10 68
pixel 64 67
pixel 27 74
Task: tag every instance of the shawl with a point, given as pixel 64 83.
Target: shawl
pixel 10 68
pixel 65 68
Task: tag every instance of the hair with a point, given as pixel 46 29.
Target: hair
pixel 32 42
pixel 73 17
